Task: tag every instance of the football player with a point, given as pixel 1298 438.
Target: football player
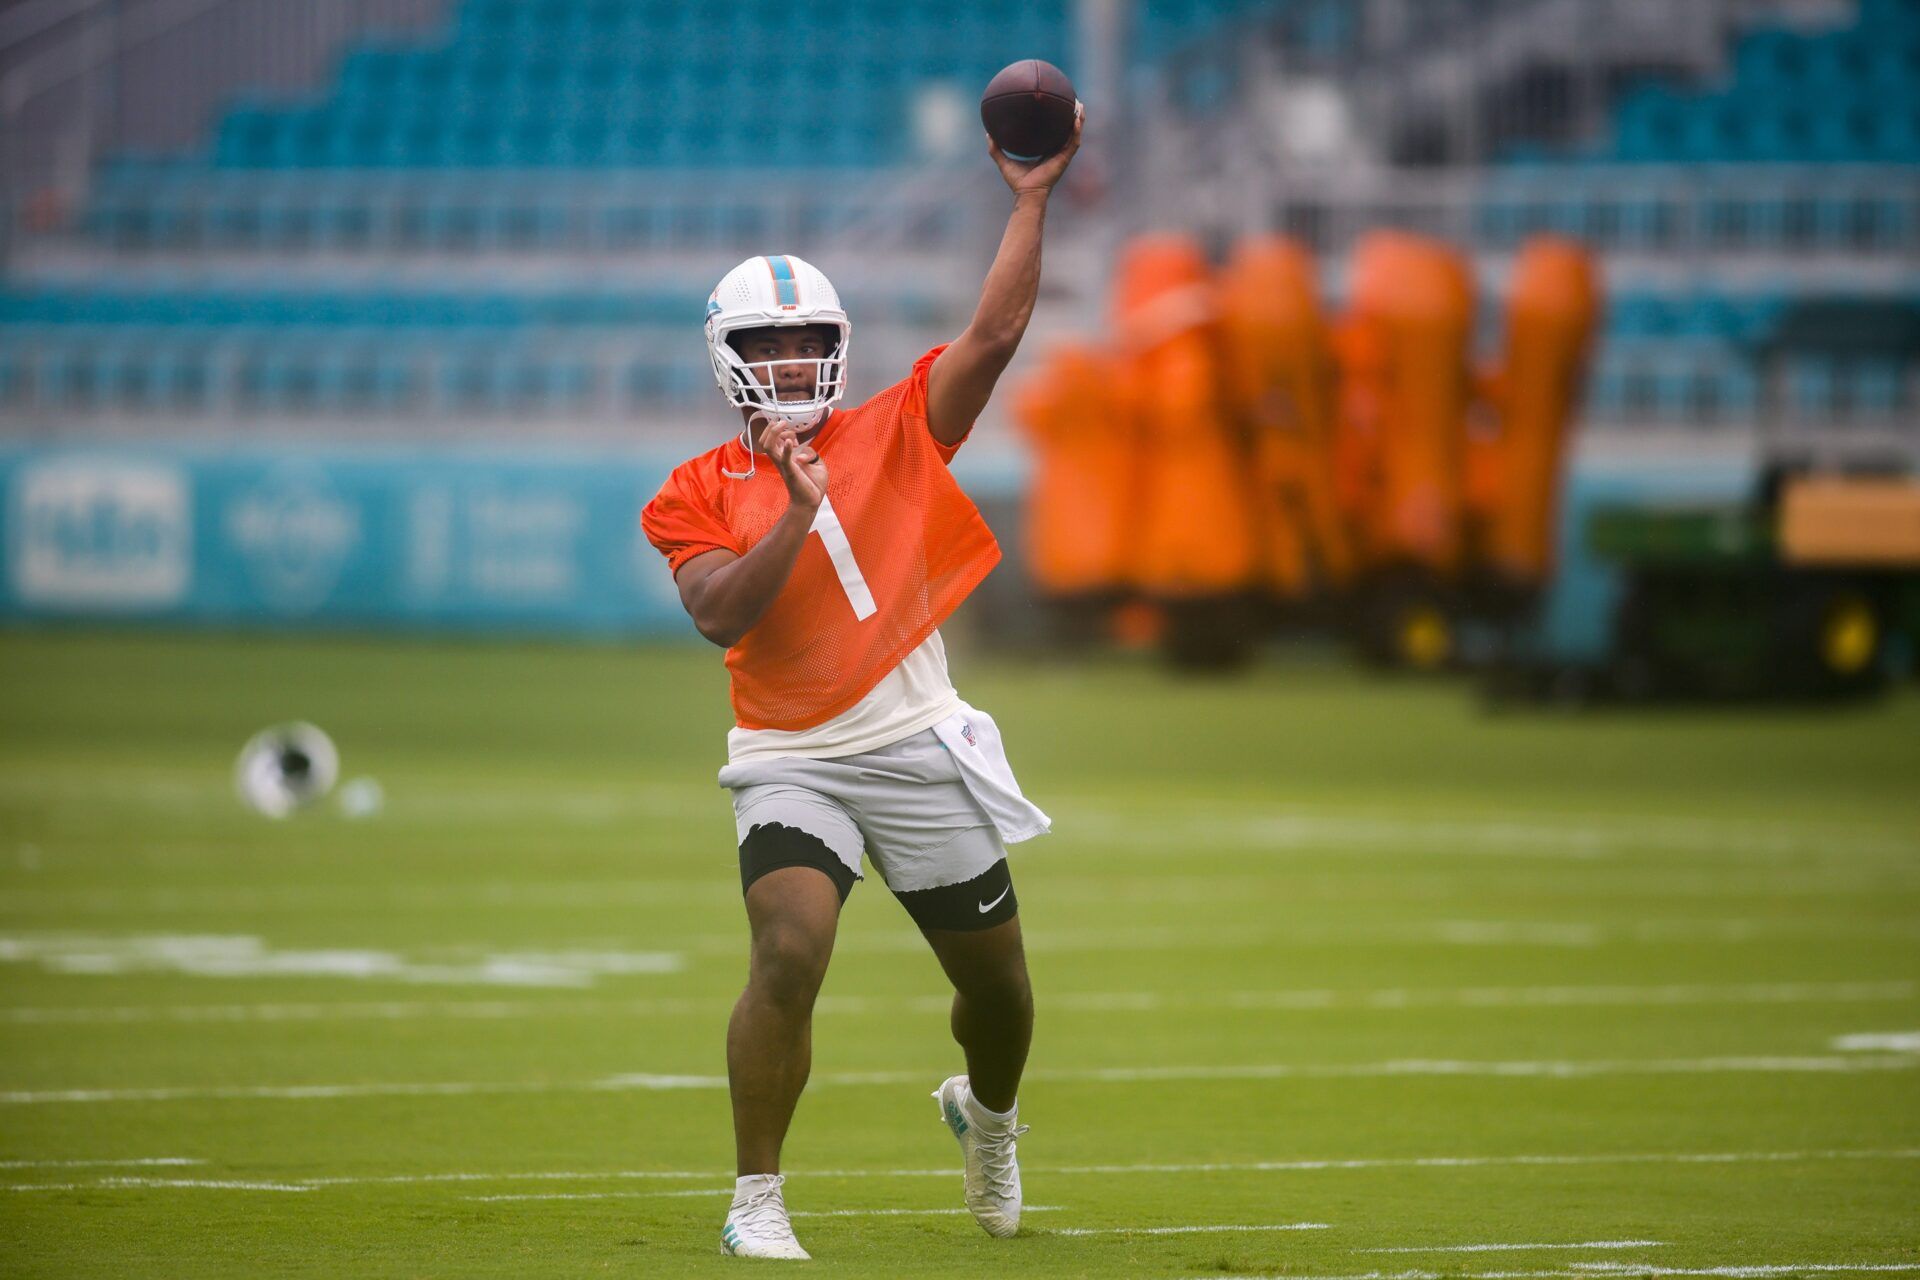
pixel 822 547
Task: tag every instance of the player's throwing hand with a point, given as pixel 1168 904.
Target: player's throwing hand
pixel 1041 175
pixel 800 466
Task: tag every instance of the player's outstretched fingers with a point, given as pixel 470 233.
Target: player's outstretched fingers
pixel 780 443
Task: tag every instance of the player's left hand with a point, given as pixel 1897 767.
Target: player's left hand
pixel 1041 175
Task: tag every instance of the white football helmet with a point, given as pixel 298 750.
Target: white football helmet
pixel 782 291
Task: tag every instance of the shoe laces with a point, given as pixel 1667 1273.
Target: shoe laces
pixel 764 1211
pixel 997 1162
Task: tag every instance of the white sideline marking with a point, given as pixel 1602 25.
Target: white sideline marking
pixel 1304 1000
pixel 1450 1067
pixel 1888 1041
pixel 1542 835
pixel 209 1184
pixel 1252 1166
pixel 1461 933
pixel 1262 824
pixel 561 1175
pixel 1681 880
pixel 93 1164
pixel 392 1090
pixel 906 1213
pixel 1481 1162
pixel 1516 1248
pixel 1563 1070
pixel 1186 1231
pixel 1588 1270
pixel 646 1081
pixel 606 1195
pixel 246 956
pixel 728 1191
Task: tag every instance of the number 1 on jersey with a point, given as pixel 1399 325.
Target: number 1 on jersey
pixel 826 523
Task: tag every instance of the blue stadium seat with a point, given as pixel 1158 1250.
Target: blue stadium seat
pixel 1876 388
pixel 1812 386
pixel 1838 61
pixel 1715 129
pixel 1650 125
pixel 1772 61
pixel 1886 17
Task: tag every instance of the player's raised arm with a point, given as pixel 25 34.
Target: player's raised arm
pixel 963 377
pixel 726 594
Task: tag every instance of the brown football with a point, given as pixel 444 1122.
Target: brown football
pixel 1028 110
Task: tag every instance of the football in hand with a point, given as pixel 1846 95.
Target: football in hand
pixel 1028 109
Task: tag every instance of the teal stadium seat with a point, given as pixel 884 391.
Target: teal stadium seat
pixel 1650 125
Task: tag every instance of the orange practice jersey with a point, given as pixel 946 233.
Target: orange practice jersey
pixel 895 548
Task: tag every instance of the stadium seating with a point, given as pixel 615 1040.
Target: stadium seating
pixel 1686 356
pixel 1811 142
pixel 1693 357
pixel 560 126
pixel 188 348
pixel 593 84
pixel 1845 96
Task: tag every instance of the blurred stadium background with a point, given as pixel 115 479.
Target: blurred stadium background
pixel 387 313
pixel 373 322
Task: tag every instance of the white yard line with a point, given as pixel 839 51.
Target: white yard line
pixel 906 1213
pixel 604 1195
pixel 1247 1166
pixel 1575 934
pixel 1880 1041
pixel 1187 1231
pixel 1515 1248
pixel 94 1164
pixel 1483 1162
pixel 1589 1270
pixel 1696 881
pixel 32 1097
pixel 728 1191
pixel 1258 824
pixel 1551 1069
pixel 1296 1000
pixel 204 1184
pixel 647 1081
pixel 555 1175
pixel 1546 835
pixel 216 955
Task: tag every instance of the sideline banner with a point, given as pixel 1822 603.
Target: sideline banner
pixel 310 537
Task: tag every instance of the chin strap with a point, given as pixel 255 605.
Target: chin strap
pixel 763 417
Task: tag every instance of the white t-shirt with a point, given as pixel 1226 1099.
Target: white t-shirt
pixel 913 696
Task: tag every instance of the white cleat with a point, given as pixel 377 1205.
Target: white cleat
pixel 993 1171
pixel 758 1226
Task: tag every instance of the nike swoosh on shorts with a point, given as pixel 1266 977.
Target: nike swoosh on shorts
pixel 988 906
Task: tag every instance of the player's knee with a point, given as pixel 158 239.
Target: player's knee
pixel 1002 987
pixel 789 963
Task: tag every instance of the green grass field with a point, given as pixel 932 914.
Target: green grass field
pixel 1334 978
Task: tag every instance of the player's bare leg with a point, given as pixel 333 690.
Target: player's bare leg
pixel 993 1021
pixel 992 1006
pixel 794 913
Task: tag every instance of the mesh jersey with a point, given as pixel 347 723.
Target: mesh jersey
pixel 899 546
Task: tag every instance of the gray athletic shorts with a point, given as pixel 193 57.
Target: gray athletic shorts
pixel 904 804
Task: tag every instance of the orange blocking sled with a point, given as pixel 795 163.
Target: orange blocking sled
pixel 1196 520
pixel 1551 314
pixel 1085 468
pixel 1279 380
pixel 1404 410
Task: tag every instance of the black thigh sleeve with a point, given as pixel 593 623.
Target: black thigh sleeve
pixel 770 846
pixel 979 903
